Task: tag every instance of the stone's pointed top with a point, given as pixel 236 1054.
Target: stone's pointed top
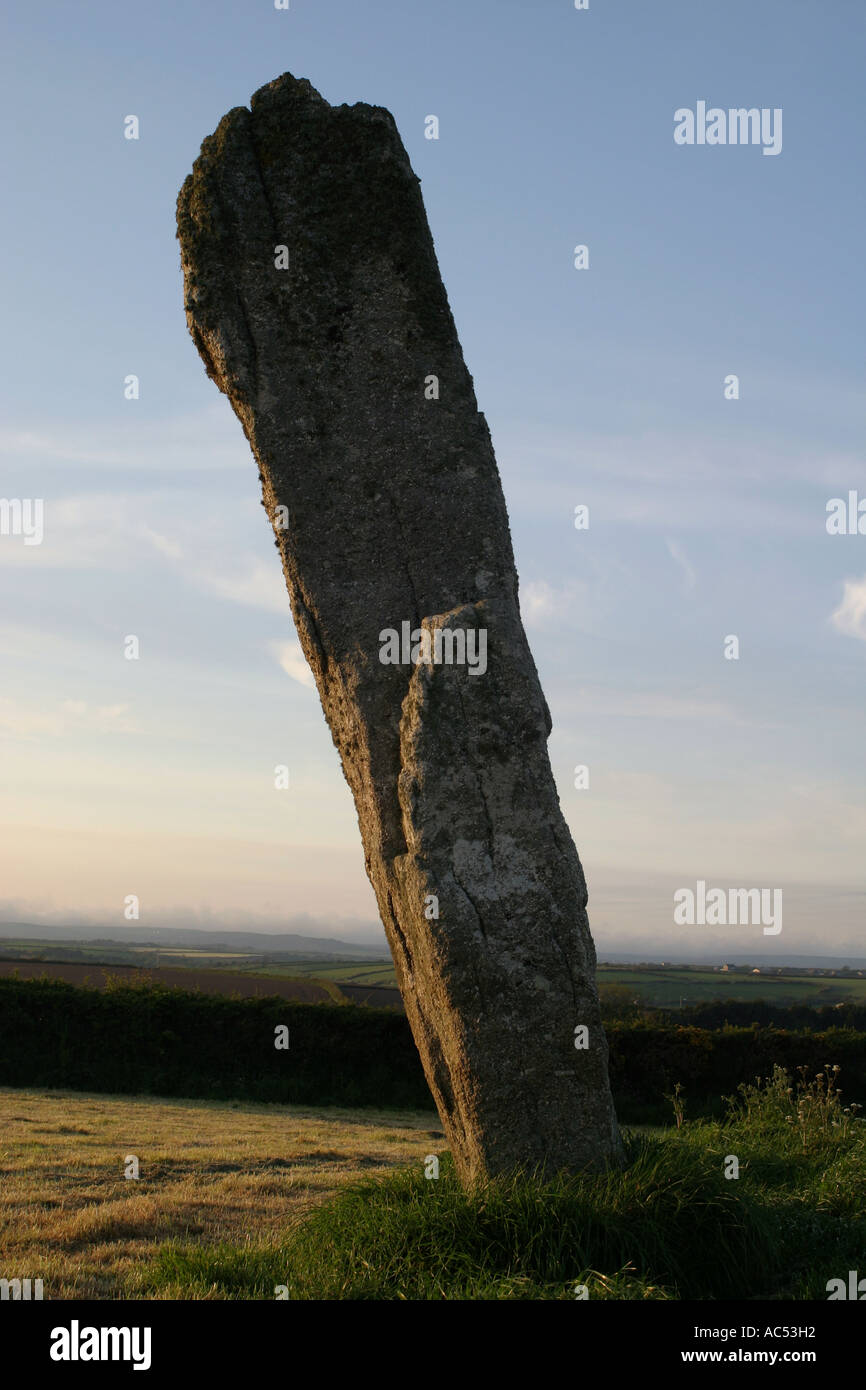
pixel 287 90
pixel 291 96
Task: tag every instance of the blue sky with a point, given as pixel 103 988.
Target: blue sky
pixel 602 386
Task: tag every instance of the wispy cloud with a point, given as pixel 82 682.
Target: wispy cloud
pixel 637 481
pixel 66 717
pixel 542 603
pixel 204 439
pixel 678 555
pixel 259 586
pixel 850 617
pixel 652 705
pixel 124 532
pixel 291 657
pixel 163 544
pixel 539 600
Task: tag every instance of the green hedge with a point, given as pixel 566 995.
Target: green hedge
pixel 646 1061
pixel 171 1042
pixel 718 1013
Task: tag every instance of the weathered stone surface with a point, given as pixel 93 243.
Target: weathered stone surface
pixel 396 515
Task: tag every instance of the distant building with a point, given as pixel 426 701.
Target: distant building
pixel 756 971
pixel 727 966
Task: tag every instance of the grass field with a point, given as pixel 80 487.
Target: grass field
pixel 655 988
pixel 198 956
pixel 325 968
pixel 666 988
pixel 210 1172
pixel 355 973
pixel 237 1200
pixel 303 988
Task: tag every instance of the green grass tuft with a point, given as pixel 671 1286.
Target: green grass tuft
pixel 667 1227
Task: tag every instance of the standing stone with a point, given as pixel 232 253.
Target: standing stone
pixel 313 295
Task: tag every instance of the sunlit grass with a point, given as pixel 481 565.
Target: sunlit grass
pixel 245 1200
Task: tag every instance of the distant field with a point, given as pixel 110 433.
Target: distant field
pixel 352 972
pixel 207 981
pixel 375 983
pixel 667 988
pixel 286 982
pixel 209 1171
pixel 356 972
pixel 193 954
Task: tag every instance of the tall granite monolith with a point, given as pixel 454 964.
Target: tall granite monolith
pixel 313 295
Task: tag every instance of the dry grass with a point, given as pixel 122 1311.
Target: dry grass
pixel 211 1171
